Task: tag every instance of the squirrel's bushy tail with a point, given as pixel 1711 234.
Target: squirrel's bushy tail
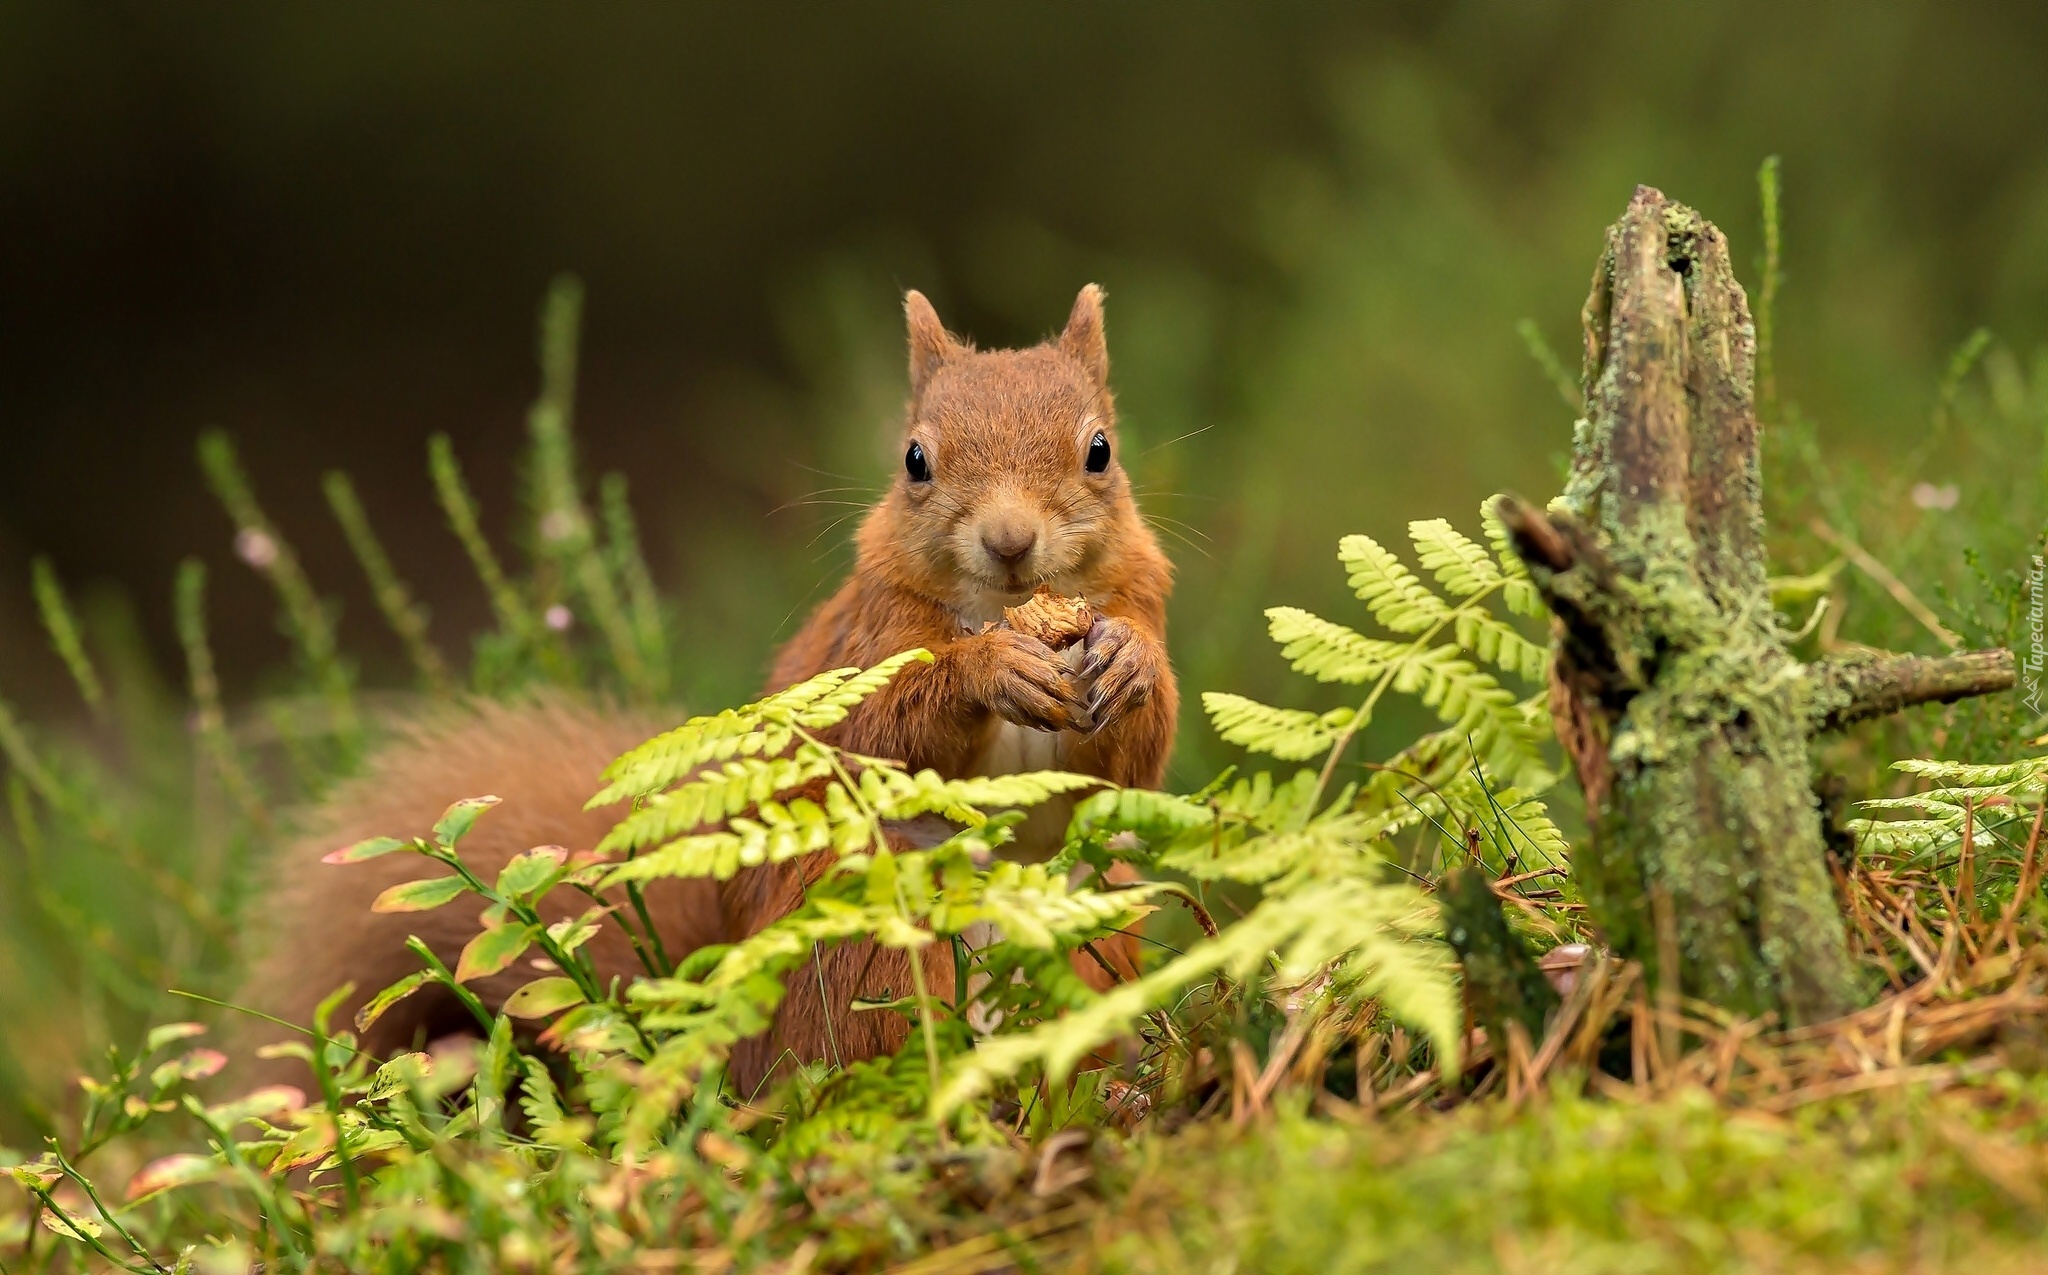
pixel 542 757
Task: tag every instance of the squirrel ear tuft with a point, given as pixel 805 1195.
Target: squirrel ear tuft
pixel 929 344
pixel 1083 339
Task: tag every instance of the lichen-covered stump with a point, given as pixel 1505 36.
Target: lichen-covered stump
pixel 1673 693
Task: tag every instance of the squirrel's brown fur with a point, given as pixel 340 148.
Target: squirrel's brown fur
pixel 1009 502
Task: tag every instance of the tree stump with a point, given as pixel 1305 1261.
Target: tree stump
pixel 1673 692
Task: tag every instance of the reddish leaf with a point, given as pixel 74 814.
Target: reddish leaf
pixel 362 850
pixel 420 896
pixel 543 996
pixel 260 1104
pixel 492 950
pixel 459 818
pixel 404 987
pixel 171 1171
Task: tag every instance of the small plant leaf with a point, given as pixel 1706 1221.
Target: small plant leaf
pixel 529 872
pixel 369 849
pixel 68 1226
pixel 575 932
pixel 171 1033
pixel 459 818
pixel 543 996
pixel 420 896
pixel 390 996
pixel 492 950
pixel 183 1169
pixel 264 1103
pixel 196 1065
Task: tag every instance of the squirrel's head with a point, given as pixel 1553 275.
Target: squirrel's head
pixel 1009 474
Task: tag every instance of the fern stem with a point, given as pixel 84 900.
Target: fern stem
pixel 1767 295
pixel 445 976
pixel 63 630
pixel 21 755
pixel 924 1010
pixel 640 951
pixel 1553 367
pixel 629 566
pixel 638 898
pixel 456 501
pixel 307 620
pixel 565 534
pixel 209 721
pixel 406 616
pixel 119 971
pixel 917 978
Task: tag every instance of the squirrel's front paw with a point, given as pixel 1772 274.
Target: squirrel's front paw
pixel 1028 683
pixel 1125 665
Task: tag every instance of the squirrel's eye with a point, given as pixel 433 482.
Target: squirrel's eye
pixel 1098 453
pixel 914 464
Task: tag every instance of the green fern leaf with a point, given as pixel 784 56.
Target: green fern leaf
pixel 1290 734
pixel 896 795
pixel 1150 816
pixel 1330 845
pixel 713 794
pixel 1499 644
pixel 1458 564
pixel 1903 836
pixel 668 757
pixel 1327 651
pixel 827 700
pixel 762 729
pixel 1398 600
pixel 1952 774
pixel 1361 925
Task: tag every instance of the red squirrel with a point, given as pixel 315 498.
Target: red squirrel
pixel 1010 479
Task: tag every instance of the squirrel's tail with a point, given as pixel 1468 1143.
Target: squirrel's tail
pixel 542 758
pixel 315 930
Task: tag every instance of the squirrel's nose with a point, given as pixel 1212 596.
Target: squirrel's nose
pixel 1009 544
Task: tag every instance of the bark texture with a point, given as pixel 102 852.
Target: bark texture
pixel 1687 719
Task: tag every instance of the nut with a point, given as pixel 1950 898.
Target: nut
pixel 1054 620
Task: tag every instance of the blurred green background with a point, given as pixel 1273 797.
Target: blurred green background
pixel 1318 224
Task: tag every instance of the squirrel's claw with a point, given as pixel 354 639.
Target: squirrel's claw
pixel 1030 685
pixel 1123 666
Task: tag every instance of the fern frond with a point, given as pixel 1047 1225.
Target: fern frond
pixel 895 794
pixel 1273 805
pixel 1458 564
pixel 825 700
pixel 1988 797
pixel 1328 651
pixel 764 728
pixel 1398 600
pixel 1478 708
pixel 1153 817
pixel 1035 906
pixel 1904 836
pixel 1382 939
pixel 1499 644
pixel 779 832
pixel 1290 734
pixel 1334 844
pixel 1955 774
pixel 668 757
pixel 714 793
pixel 1354 922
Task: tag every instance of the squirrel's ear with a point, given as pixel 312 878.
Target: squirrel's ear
pixel 1083 338
pixel 929 344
